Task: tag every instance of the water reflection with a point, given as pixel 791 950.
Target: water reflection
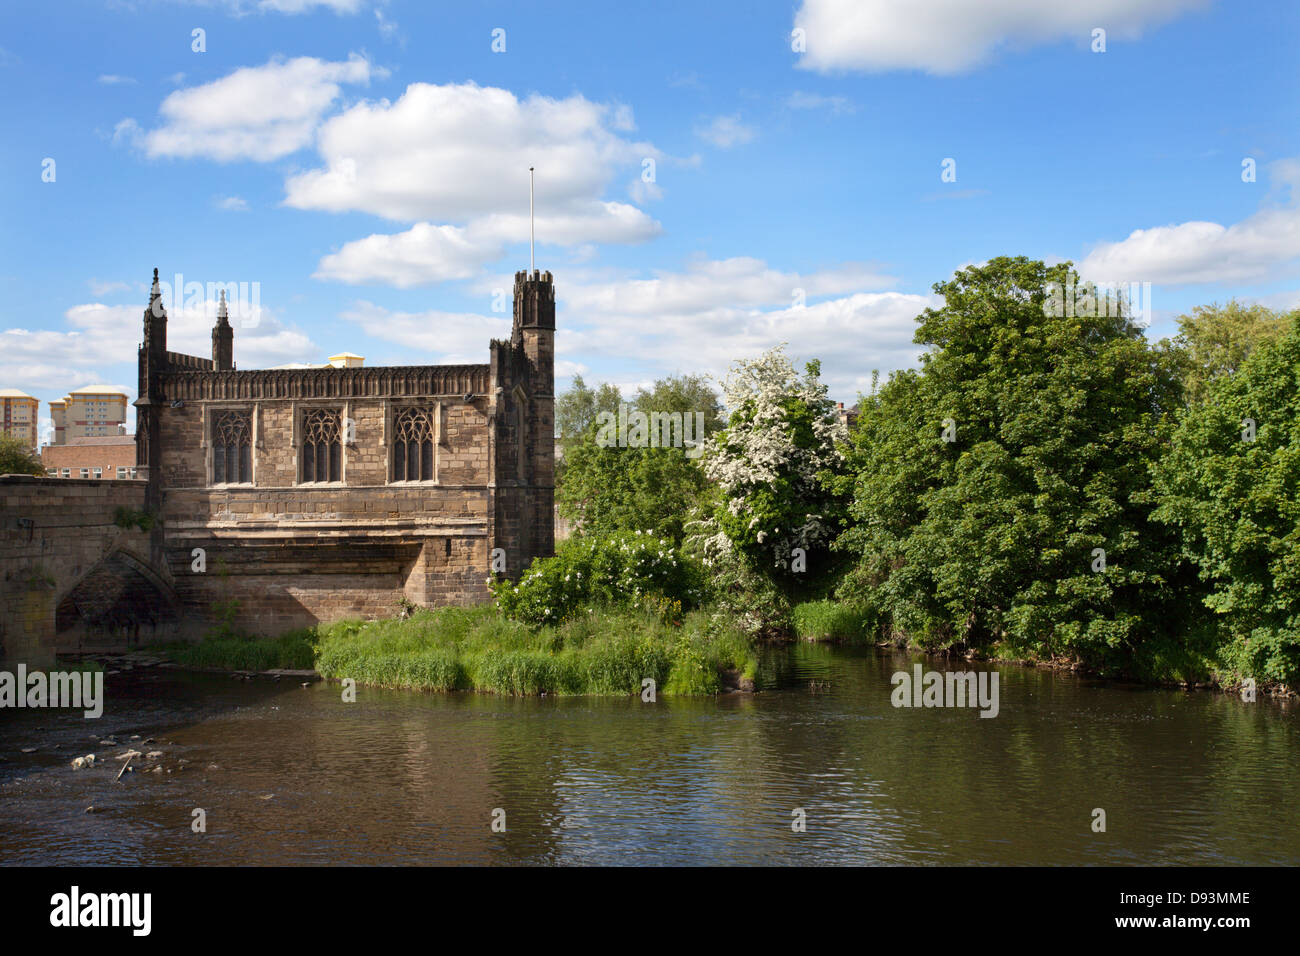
pixel 289 774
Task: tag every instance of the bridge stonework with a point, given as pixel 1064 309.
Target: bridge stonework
pixel 75 572
pixel 281 498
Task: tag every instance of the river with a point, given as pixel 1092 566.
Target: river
pixel 286 774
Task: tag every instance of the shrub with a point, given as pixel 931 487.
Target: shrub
pixel 623 570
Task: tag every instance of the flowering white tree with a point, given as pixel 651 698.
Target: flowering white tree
pixel 772 464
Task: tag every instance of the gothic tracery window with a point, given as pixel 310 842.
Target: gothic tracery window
pixel 321 449
pixel 232 440
pixel 413 437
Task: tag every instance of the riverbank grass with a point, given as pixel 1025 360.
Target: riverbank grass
pixel 602 652
pixel 830 621
pixel 294 650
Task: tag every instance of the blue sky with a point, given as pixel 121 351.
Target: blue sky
pixel 364 163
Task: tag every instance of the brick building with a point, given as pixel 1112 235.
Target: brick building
pixel 20 416
pixel 301 495
pixel 110 457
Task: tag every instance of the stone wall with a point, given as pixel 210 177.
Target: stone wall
pixel 278 554
pixel 70 577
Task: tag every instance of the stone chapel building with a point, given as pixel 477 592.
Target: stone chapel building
pixel 284 497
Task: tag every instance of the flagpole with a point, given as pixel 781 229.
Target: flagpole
pixel 531 230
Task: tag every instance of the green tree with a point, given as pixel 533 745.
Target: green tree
pixel 998 492
pixel 577 408
pixel 1230 486
pixel 1215 340
pixel 687 394
pixel 774 466
pixel 16 458
pixel 606 488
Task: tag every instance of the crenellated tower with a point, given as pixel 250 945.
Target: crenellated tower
pixel 523 373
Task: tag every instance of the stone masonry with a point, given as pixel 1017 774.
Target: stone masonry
pixel 286 497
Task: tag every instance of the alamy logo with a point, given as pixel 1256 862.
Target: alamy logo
pixel 633 428
pixel 951 689
pixel 1094 299
pixel 242 300
pixel 77 689
pixel 102 909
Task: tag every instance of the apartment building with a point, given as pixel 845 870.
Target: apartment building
pixel 20 416
pixel 96 411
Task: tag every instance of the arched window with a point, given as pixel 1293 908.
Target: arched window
pixel 321 452
pixel 232 440
pixel 413 437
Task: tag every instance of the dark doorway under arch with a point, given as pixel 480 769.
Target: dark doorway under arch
pixel 120 601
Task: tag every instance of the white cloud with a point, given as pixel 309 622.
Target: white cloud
pixel 112 333
pixel 953 36
pixel 126 131
pixel 713 283
pixel 259 113
pixel 232 203
pixel 99 288
pixel 387 28
pixel 454 160
pixel 428 253
pixel 425 253
pixel 725 132
pixel 460 151
pixel 306 6
pixel 717 311
pixel 835 105
pixel 112 79
pixel 1283 301
pixel 101 339
pixel 1261 245
pixel 289 7
pixel 595 222
pixel 700 319
pixel 437 337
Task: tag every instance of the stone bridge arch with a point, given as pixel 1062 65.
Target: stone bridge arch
pixel 120 601
pixel 73 574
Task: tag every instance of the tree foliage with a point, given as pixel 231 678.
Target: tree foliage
pixel 16 458
pixel 607 489
pixel 774 466
pixel 577 408
pixel 998 534
pixel 1230 486
pixel 1214 341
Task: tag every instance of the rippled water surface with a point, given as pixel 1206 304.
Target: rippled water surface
pixel 291 774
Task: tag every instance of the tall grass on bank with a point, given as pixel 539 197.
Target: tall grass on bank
pixel 603 652
pixel 291 651
pixel 831 621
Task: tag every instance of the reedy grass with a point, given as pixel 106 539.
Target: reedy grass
pixel 292 650
pixel 830 621
pixel 604 652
